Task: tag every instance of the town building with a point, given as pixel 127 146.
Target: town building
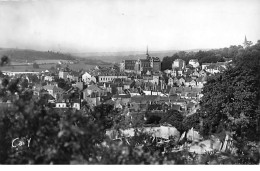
pixel 53 90
pixel 142 66
pixel 87 78
pixel 178 63
pixel 194 63
pixel 63 74
pixel 110 77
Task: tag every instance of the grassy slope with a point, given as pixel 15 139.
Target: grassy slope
pixel 20 57
pixel 31 55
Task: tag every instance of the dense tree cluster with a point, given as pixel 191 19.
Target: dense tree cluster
pixel 172 117
pixel 36 66
pixel 210 56
pixel 231 100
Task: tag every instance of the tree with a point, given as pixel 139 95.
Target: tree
pixel 174 118
pixel 230 101
pixel 58 66
pixel 66 85
pixel 153 119
pixel 192 121
pixel 36 66
pixel 34 78
pixel 4 60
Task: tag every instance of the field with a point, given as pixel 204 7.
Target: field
pixel 52 61
pixel 44 67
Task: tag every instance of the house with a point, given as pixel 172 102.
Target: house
pixel 122 98
pixel 188 72
pixel 170 81
pixel 193 83
pixel 202 73
pixel 174 73
pixel 192 95
pixel 176 80
pixel 78 85
pixel 93 89
pixel 74 76
pixel 93 101
pixel 204 65
pixel 200 82
pixel 196 73
pixel 110 77
pixel 53 90
pixel 167 71
pixel 180 72
pixel 194 63
pixel 172 91
pixel 64 101
pixel 146 99
pixel 140 103
pixel 221 68
pixel 213 69
pixel 64 73
pixel 48 78
pixel 87 78
pixel 128 84
pixel 187 81
pixel 191 106
pixel 182 103
pixel 182 81
pixel 178 63
pixel 176 107
pixel 135 92
pixel 222 64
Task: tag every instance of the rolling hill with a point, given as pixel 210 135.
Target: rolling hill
pixel 119 56
pixel 22 55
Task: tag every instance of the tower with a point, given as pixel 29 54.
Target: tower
pixel 147 54
pixel 247 43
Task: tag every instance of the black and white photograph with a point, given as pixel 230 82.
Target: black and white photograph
pixel 129 82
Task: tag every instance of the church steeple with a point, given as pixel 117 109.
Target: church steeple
pixel 245 39
pixel 147 54
pixel 246 43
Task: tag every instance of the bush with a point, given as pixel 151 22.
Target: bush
pixel 36 66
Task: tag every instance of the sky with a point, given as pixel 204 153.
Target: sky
pixel 127 25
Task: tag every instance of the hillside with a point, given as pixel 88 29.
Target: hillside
pixel 119 56
pixel 20 55
pixel 23 56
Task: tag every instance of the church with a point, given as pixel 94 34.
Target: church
pixel 142 66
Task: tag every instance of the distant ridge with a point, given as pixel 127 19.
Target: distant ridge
pixel 32 55
pixel 119 56
pixel 28 55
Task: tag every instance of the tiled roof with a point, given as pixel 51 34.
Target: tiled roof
pixel 176 107
pixel 53 87
pixel 122 96
pixel 144 99
pixel 212 66
pixel 188 79
pixel 221 63
pixel 192 94
pixel 194 60
pixel 206 63
pixel 199 79
pixel 111 102
pixel 93 87
pixel 189 105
